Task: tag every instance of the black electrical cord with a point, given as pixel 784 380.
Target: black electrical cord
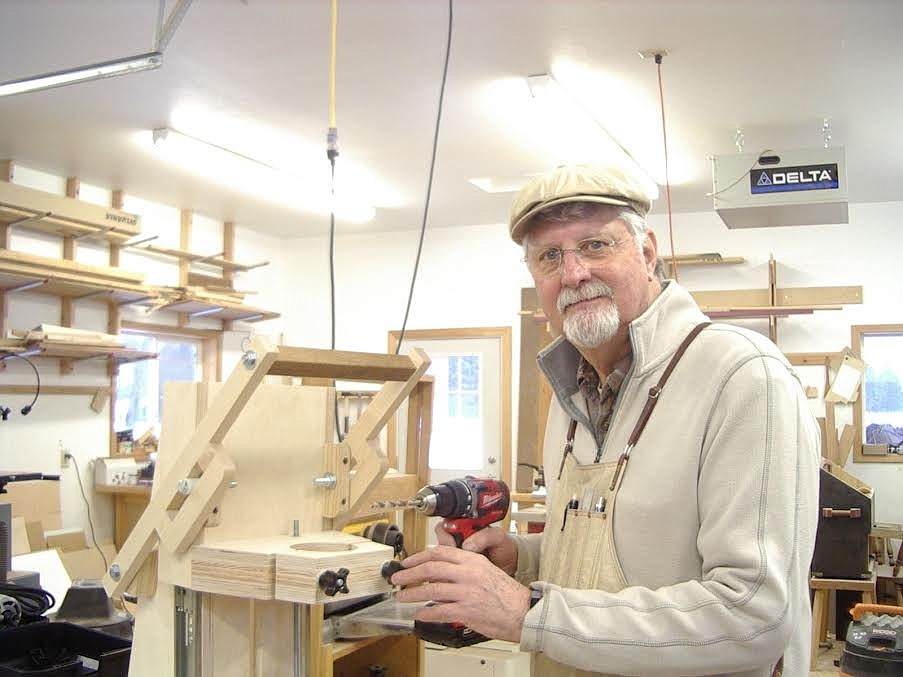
pixel 331 153
pixel 28 407
pixel 106 565
pixel 34 602
pixel 429 185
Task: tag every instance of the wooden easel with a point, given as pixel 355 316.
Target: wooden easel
pixel 270 441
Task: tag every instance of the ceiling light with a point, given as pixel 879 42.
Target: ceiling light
pixel 97 71
pixel 247 175
pixel 563 109
pixel 501 184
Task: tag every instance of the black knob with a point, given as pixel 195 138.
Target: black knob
pixel 389 569
pixel 332 582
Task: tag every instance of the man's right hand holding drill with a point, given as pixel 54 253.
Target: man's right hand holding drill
pixel 473 583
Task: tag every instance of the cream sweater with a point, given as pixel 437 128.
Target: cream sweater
pixel 715 521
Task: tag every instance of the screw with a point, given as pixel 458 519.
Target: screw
pixel 115 572
pixel 249 359
pixel 327 480
pixel 232 485
pixel 184 487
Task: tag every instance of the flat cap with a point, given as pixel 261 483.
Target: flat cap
pixel 614 184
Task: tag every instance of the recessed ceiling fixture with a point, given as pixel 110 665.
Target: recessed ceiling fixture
pixel 97 71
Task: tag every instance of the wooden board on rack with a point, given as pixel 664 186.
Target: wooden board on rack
pixel 8 256
pixel 64 216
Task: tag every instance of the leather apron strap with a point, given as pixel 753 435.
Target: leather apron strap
pixel 652 400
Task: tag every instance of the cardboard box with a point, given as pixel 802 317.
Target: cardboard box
pixel 20 537
pixel 88 563
pixel 66 540
pixel 35 501
pixel 36 540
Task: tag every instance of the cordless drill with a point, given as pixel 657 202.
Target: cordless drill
pixel 468 504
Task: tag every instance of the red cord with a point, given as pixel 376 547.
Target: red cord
pixel 661 97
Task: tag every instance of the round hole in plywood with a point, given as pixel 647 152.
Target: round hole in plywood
pixel 323 547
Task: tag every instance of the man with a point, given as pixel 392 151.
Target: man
pixel 682 470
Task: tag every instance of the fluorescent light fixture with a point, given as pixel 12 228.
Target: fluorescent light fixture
pixel 256 179
pixel 97 71
pixel 500 184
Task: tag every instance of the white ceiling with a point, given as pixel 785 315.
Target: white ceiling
pixel 775 68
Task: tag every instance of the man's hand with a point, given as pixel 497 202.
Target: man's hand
pixel 492 542
pixel 471 589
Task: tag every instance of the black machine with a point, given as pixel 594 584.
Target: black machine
pixel 844 523
pixel 874 644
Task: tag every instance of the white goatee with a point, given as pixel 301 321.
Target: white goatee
pixel 589 327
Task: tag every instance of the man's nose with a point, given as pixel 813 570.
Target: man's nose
pixel 573 270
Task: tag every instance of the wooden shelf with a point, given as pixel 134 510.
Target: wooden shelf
pixel 24 207
pixel 70 351
pixel 218 309
pixel 123 489
pixel 216 260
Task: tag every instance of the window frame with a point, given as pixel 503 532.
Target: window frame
pixel 857 333
pixel 211 347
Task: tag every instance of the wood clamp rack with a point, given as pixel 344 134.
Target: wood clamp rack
pixel 774 302
pixel 24 207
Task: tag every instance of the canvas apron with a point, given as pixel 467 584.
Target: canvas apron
pixel 578 548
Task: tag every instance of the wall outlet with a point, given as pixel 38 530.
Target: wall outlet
pixel 64 458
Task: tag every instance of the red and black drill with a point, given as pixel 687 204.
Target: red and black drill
pixel 468 504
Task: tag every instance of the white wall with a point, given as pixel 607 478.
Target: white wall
pixel 468 277
pixel 472 277
pixel 32 443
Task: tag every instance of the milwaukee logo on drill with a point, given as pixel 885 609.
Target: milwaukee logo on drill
pixel 491 499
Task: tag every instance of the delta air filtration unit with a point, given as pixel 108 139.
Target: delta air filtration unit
pixel 790 188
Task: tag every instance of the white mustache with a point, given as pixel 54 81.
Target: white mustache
pixel 588 290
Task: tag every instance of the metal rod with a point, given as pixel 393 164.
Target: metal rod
pixel 29 219
pixel 299 625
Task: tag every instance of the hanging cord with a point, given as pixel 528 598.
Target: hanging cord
pixel 332 152
pixel 28 407
pixel 81 486
pixel 661 96
pixel 429 185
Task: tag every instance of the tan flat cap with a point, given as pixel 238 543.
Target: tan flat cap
pixel 605 184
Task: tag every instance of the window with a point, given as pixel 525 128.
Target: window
pixel 457 439
pixel 879 412
pixel 139 385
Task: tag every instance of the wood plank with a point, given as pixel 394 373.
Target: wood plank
pixel 830 433
pixel 846 444
pixel 339 364
pixel 810 359
pixel 54 390
pixel 817 296
pixel 71 266
pixel 732 298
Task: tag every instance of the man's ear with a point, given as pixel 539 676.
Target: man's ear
pixel 650 252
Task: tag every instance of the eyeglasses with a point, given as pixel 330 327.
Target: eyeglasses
pixel 548 260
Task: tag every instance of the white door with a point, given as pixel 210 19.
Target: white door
pixel 469 406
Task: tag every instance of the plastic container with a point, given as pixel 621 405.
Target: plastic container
pixel 62 650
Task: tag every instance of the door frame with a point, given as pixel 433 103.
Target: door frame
pixel 504 336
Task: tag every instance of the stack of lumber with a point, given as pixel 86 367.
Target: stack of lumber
pixel 288 568
pixel 51 333
pixel 64 277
